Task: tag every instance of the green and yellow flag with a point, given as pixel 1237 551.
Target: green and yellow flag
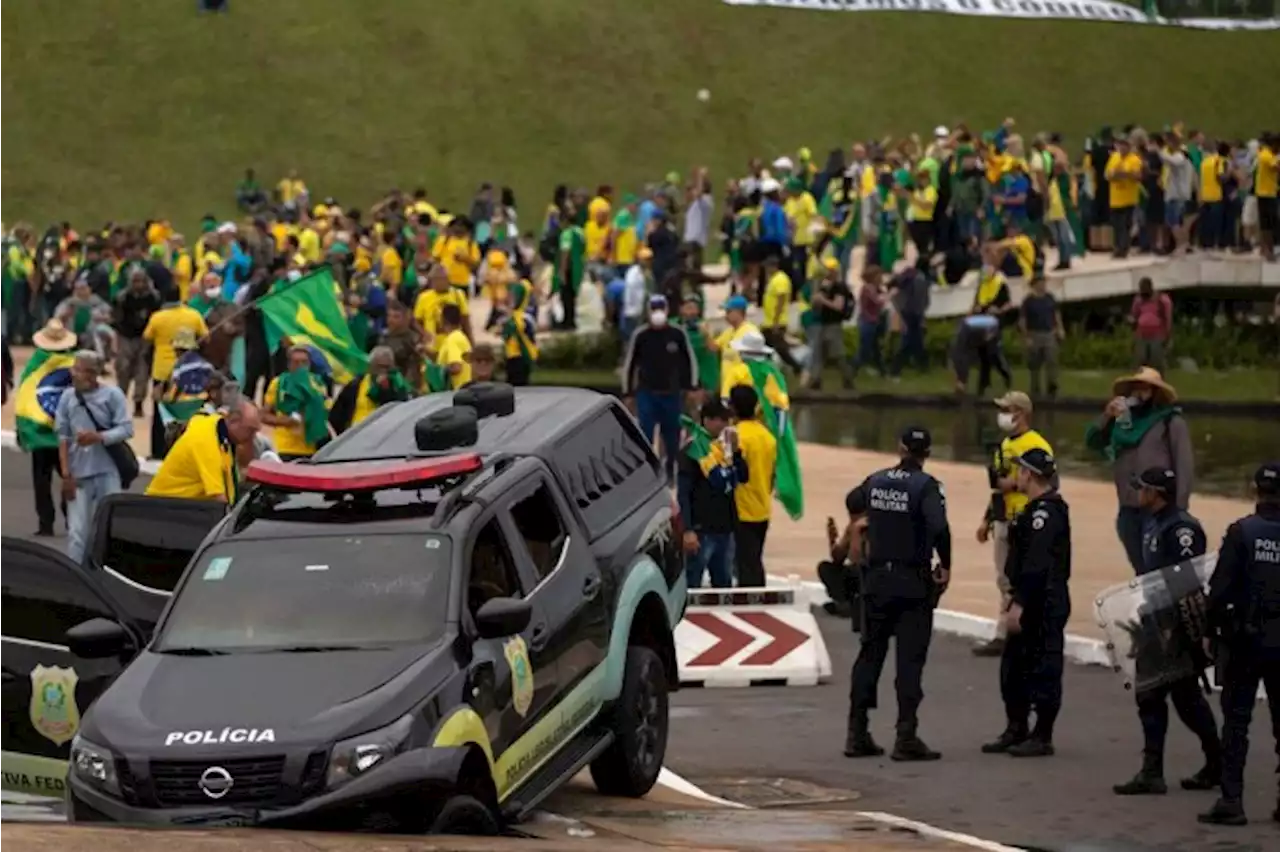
pixel 307 312
pixel 46 376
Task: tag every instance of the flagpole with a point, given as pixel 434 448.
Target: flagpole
pixel 244 309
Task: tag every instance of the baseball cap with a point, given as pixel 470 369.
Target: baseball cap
pixel 1267 479
pixel 1160 479
pixel 916 439
pixel 941 132
pixel 1015 400
pixel 1039 462
pixel 736 303
pixel 657 302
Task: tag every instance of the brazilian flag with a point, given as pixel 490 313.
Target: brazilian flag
pixel 188 388
pixel 787 486
pixel 437 378
pixel 307 312
pixel 46 376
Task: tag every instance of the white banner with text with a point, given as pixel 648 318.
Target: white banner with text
pixel 1071 10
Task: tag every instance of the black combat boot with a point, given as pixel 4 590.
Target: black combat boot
pixel 1208 778
pixel 1032 747
pixel 1225 812
pixel 909 747
pixel 858 741
pixel 1148 782
pixel 1001 744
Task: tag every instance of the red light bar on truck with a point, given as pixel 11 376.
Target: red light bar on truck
pixel 359 476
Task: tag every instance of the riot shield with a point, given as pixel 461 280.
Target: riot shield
pixel 1156 623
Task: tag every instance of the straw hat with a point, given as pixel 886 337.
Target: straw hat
pixel 752 344
pixel 54 337
pixel 1164 392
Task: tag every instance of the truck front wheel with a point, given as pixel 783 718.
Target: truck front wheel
pixel 630 766
pixel 462 814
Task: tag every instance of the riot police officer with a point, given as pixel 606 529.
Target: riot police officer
pixel 1038 569
pixel 1172 535
pixel 906 523
pixel 1244 607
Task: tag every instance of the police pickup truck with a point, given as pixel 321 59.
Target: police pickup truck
pixel 447 613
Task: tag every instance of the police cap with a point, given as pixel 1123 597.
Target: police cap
pixel 1267 479
pixel 916 440
pixel 1160 479
pixel 1039 462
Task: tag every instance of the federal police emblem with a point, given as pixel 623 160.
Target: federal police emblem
pixel 54 713
pixel 517 654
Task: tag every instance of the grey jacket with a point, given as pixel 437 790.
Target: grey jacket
pixel 1166 445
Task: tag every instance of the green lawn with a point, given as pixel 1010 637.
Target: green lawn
pixel 1233 386
pixel 125 109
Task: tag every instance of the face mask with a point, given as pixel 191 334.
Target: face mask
pixel 213 293
pixel 657 318
pixel 1006 421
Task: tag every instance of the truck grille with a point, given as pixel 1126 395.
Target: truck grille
pixel 255 781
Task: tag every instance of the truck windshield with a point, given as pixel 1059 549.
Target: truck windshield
pixel 314 593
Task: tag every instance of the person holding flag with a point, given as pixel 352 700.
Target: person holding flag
pixel 296 405
pixel 691 319
pixel 45 377
pixel 305 312
pixel 756 369
pixel 518 335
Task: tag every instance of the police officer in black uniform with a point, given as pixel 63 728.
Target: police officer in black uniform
pixel 906 523
pixel 1170 536
pixel 1244 608
pixel 1038 570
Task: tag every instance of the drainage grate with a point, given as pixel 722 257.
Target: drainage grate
pixel 774 792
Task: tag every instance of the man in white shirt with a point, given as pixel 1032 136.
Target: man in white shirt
pixel 635 291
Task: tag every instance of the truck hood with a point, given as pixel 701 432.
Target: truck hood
pixel 178 706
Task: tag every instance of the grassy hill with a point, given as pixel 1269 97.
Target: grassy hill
pixel 133 108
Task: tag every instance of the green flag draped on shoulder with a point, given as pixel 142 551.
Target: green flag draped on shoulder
pixel 787 485
pixel 307 312
pixel 46 376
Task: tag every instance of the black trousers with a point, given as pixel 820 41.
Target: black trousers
pixel 799 267
pixel 777 338
pixel 518 372
pixel 1031 677
pixel 748 552
pixel 1122 225
pixel 1192 708
pixel 1241 674
pixel 159 446
pixel 909 622
pixel 44 464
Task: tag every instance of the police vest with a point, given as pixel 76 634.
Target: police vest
pixel 1262 568
pixel 1154 553
pixel 895 522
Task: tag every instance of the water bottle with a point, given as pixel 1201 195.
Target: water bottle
pixel 1125 419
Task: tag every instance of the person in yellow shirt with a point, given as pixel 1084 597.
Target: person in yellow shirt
pixel 495 277
pixel 201 465
pixel 390 266
pixel 1014 420
pixel 181 265
pixel 802 218
pixel 626 240
pixel 921 205
pixel 1265 181
pixel 1124 171
pixel 751 347
pixel 598 235
pixel 297 407
pixel 602 204
pixel 159 232
pixel 381 384
pixel 291 189
pixel 309 243
pixel 431 301
pixel 1213 170
pixel 735 315
pixel 1021 249
pixel 453 348
pixel 281 230
pixel 160 331
pixel 777 307
pixel 753 498
pixel 458 253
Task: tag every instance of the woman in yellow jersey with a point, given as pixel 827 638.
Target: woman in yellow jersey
pixel 458 253
pixel 296 405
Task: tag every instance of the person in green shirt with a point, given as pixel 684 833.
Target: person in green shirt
pixel 571 265
pixel 249 195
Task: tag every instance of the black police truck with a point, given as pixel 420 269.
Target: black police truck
pixel 449 611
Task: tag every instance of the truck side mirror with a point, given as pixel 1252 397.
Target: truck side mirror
pixel 98 638
pixel 501 617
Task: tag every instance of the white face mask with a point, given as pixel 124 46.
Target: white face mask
pixel 658 318
pixel 213 292
pixel 1006 421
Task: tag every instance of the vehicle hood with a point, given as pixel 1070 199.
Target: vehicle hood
pixel 230 701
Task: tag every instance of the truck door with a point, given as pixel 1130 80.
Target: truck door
pixel 140 546
pixel 567 580
pixel 46 688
